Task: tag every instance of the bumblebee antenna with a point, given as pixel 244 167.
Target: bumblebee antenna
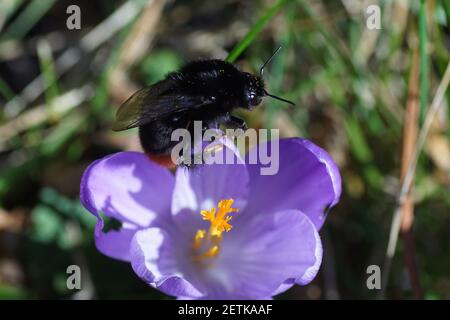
pixel 278 98
pixel 261 71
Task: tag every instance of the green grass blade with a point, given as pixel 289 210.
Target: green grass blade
pixel 423 57
pixel 27 19
pixel 446 8
pixel 48 71
pixel 7 9
pixel 5 90
pixel 255 30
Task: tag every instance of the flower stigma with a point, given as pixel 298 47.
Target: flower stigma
pixel 206 244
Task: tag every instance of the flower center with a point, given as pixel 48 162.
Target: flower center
pixel 206 243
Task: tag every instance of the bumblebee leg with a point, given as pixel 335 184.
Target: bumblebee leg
pixel 237 122
pixel 211 125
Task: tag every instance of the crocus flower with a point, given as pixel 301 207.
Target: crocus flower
pixel 215 231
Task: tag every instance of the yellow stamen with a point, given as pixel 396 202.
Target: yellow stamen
pixel 199 235
pixel 210 241
pixel 219 222
pixel 210 253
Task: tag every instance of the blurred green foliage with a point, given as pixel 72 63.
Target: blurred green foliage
pixel 350 85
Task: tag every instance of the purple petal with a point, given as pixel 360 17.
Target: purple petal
pixel 259 255
pixel 203 186
pixel 114 243
pixel 312 270
pixel 154 259
pixel 126 186
pixel 286 285
pixel 308 180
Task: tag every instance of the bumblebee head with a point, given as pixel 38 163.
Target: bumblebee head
pixel 253 90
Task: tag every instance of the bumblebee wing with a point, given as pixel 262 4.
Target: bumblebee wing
pixel 130 112
pixel 153 103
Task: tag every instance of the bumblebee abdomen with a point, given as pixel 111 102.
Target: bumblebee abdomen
pixel 155 137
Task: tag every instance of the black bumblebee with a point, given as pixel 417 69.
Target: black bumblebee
pixel 204 90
